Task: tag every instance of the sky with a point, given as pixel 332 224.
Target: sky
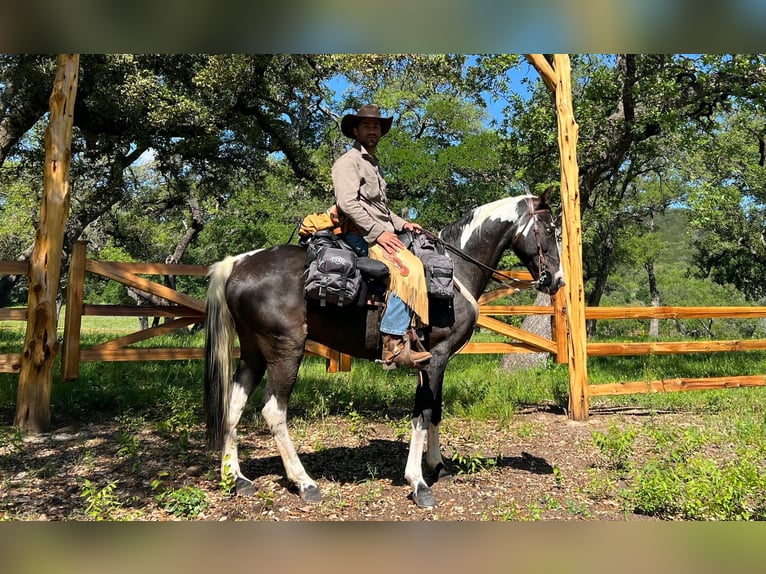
pixel 494 108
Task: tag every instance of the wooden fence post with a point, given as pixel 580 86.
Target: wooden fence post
pixel 558 79
pixel 572 242
pixel 41 345
pixel 70 353
pixel 559 321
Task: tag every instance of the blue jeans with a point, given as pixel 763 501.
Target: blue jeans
pixel 396 319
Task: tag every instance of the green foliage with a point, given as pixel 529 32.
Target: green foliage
pixel 101 503
pixel 471 464
pixel 228 483
pixel 184 502
pixel 615 445
pixel 700 489
pixel 227 152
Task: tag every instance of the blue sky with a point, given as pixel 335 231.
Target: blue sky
pixel 494 108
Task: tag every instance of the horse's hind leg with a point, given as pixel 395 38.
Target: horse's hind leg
pixel 279 385
pixel 247 377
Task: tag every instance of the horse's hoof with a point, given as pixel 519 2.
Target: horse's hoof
pixel 244 487
pixel 311 494
pixel 424 497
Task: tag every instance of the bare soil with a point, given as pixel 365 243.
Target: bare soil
pixel 537 466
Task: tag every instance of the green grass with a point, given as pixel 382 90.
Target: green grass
pixel 475 385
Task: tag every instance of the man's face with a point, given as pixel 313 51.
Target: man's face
pixel 368 132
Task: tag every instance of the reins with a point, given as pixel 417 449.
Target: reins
pixel 496 274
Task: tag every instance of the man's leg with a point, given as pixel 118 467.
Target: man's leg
pixel 394 326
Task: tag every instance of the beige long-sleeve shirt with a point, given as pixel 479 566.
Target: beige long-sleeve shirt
pixel 360 192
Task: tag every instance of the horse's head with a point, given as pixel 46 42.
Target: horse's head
pixel 537 244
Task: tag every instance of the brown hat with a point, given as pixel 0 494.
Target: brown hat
pixel 350 121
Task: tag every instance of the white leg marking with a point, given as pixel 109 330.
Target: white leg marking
pixel 236 404
pixel 275 416
pixel 413 472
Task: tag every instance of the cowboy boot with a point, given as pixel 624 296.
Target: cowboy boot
pixel 418 352
pixel 397 350
pixel 393 346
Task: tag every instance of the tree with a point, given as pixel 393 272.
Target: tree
pixel 727 197
pixel 211 121
pixel 40 344
pixel 637 113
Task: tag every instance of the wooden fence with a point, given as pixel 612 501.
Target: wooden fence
pixel 183 310
pixel 11 362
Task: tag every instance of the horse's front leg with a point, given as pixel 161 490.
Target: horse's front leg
pixel 279 384
pixel 422 494
pixel 434 458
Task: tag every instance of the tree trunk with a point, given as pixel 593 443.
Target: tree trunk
pixel 654 324
pixel 539 325
pixel 41 344
pixel 601 277
pixel 197 224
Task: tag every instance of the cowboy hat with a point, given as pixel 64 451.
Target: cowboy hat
pixel 350 121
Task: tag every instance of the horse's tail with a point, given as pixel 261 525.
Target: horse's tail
pixel 219 343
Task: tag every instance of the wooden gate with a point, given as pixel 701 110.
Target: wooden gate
pixel 182 310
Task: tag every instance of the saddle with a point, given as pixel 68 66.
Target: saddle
pixel 366 280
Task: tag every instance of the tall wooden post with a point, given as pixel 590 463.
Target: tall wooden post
pixel 41 345
pixel 558 78
pixel 70 353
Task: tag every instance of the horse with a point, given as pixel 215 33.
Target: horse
pixel 259 296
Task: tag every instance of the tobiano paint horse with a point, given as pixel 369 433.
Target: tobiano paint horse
pixel 259 296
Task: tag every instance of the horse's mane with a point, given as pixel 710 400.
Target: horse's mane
pixel 452 233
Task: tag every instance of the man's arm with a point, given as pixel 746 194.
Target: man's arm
pixel 346 181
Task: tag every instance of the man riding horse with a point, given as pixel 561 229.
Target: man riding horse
pixel 360 193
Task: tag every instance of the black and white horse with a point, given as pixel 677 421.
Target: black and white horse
pixel 259 297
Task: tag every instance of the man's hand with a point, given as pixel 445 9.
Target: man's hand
pixel 414 227
pixel 390 242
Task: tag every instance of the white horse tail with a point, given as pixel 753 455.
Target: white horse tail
pixel 219 346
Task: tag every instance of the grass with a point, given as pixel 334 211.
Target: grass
pixel 475 385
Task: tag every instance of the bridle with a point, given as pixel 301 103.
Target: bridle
pixel 545 277
pixel 496 274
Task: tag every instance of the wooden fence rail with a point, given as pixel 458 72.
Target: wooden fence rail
pixel 183 310
pixel 11 362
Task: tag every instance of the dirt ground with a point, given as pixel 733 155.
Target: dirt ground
pixel 537 466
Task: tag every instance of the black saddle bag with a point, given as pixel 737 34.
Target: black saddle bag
pixel 438 267
pixel 333 276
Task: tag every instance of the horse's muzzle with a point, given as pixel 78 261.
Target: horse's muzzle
pixel 548 283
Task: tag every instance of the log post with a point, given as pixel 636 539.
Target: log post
pixel 559 329
pixel 558 78
pixel 41 345
pixel 70 353
pixel 572 242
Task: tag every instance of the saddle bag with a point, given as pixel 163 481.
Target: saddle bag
pixel 438 268
pixel 333 277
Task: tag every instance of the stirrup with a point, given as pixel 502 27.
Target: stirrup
pixel 402 352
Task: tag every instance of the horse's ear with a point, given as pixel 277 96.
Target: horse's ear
pixel 546 195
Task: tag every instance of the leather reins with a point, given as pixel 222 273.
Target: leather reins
pixel 496 274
